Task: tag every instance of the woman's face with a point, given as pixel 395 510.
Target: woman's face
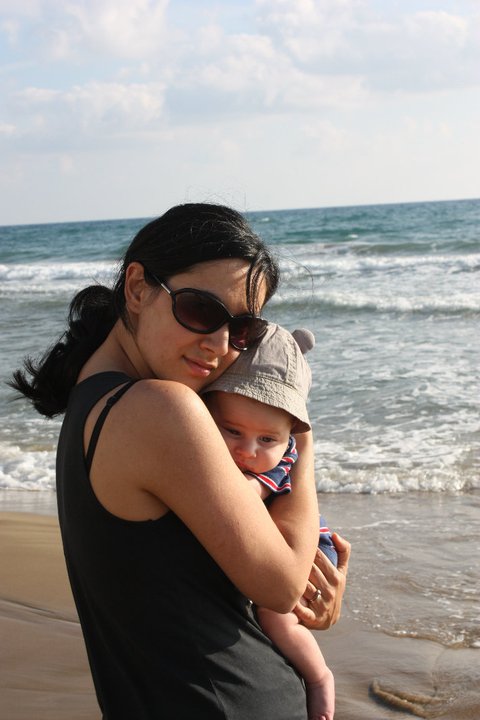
pixel 171 352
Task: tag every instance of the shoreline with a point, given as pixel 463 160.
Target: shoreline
pixel 378 675
pixel 34 502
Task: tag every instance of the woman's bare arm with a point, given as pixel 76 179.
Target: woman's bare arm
pixel 164 446
pixel 299 506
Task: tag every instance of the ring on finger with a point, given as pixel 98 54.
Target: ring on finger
pixel 316 595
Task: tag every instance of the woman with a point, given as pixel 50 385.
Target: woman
pixel 161 556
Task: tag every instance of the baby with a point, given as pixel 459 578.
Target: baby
pixel 257 404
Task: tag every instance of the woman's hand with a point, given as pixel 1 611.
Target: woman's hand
pixel 319 613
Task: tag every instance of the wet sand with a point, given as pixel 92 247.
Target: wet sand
pixel 45 674
pixel 44 667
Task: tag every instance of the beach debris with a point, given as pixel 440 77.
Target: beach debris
pixel 424 706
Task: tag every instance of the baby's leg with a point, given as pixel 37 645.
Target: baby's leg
pixel 300 647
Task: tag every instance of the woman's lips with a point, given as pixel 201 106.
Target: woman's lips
pixel 199 368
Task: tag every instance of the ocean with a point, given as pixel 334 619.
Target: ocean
pixel 392 294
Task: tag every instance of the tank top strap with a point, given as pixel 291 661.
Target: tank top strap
pixel 101 419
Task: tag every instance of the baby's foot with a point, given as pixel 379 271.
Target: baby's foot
pixel 321 698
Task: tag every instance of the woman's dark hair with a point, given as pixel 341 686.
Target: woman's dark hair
pixel 184 236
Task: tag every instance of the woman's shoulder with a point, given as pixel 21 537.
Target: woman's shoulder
pixel 152 391
pixel 136 408
pixel 153 404
pixel 140 390
pixel 149 431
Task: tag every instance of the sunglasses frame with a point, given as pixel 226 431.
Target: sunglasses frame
pixel 228 316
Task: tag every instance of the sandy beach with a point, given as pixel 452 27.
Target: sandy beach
pixel 44 667
pixel 45 675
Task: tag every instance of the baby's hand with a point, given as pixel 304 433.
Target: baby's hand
pixel 258 486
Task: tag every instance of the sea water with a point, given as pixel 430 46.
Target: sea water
pixel 391 292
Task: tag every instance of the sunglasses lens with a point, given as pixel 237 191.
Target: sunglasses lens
pixel 244 331
pixel 199 312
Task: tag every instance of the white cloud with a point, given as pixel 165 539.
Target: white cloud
pixel 439 28
pixel 301 57
pixel 410 51
pixel 10 29
pixel 59 44
pixel 34 97
pixel 21 8
pixel 66 164
pixel 115 105
pixel 243 61
pixel 310 29
pixel 121 28
pixel 7 130
pixel 115 28
pixel 105 111
pixel 247 74
pixel 297 55
pixel 325 136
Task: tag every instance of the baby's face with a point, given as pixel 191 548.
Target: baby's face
pixel 256 434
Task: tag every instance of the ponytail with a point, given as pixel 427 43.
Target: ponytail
pixel 90 319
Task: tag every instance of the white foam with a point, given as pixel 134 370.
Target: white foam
pixel 339 260
pixel 459 302
pixel 337 470
pixel 381 480
pixel 26 469
pixel 379 299
pixel 52 278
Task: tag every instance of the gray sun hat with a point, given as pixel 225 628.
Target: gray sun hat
pixel 274 372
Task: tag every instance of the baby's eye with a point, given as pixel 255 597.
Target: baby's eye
pixel 232 431
pixel 267 439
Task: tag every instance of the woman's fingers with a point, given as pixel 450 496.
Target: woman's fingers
pixel 313 612
pixel 325 588
pixel 343 549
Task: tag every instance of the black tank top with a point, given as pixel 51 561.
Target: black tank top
pixel 168 636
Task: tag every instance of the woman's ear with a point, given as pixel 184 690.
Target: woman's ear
pixel 136 287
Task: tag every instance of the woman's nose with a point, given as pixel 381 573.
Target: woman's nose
pixel 217 342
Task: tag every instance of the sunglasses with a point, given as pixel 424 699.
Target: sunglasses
pixel 200 312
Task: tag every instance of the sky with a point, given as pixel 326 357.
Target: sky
pixel 121 108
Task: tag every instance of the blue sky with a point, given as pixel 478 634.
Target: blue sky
pixel 121 108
